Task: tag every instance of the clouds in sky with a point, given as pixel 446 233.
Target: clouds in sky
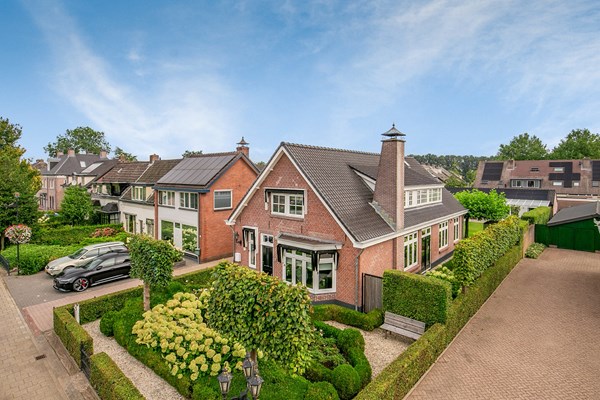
pixel 329 72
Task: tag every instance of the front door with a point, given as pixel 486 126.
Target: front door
pixel 426 249
pixel 267 254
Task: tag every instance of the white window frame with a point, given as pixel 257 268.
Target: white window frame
pixel 411 247
pixel 166 198
pixel 287 204
pixel 557 183
pixel 185 200
pixel 443 235
pixel 422 196
pixel 457 231
pixel 230 199
pixel 559 169
pixel 305 258
pixel 51 183
pixel 138 193
pixel 252 253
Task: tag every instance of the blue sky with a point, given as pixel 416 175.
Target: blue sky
pixel 458 77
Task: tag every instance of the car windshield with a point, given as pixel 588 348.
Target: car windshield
pixel 78 254
pixel 92 264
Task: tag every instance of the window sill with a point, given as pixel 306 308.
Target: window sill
pixel 222 209
pixel 290 217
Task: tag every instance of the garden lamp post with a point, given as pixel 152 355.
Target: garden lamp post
pixel 253 381
pixel 17 196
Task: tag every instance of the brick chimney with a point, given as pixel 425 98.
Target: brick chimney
pixel 103 154
pixel 243 147
pixel 154 157
pixel 70 152
pixel 586 164
pixel 59 154
pixel 388 197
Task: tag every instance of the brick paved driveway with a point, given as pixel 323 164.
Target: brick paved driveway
pixel 537 337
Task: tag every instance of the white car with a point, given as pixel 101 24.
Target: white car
pixel 83 255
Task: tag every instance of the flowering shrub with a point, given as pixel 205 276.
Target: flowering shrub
pixel 43 219
pixel 177 329
pixel 18 233
pixel 534 250
pixel 103 232
pixel 189 239
pixel 447 275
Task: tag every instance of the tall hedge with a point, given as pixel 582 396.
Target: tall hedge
pixel 109 381
pixel 474 255
pixel 262 312
pixel 415 296
pixel 71 334
pixel 67 235
pixel 538 216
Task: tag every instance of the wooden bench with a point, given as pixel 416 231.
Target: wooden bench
pixel 403 325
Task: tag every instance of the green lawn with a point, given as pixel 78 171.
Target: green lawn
pixel 475 227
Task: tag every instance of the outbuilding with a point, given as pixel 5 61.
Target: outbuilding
pixel 575 228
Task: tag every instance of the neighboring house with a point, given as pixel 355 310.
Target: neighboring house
pixel 576 228
pixel 573 180
pixel 523 199
pixel 197 195
pixel 441 173
pixel 69 169
pixel 329 218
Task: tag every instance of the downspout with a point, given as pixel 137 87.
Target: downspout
pixel 233 240
pixel 356 277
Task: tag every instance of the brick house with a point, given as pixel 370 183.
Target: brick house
pixel 327 217
pixel 197 195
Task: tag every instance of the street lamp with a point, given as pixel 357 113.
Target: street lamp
pixel 253 381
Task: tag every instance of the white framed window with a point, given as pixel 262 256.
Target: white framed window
pixel 288 204
pixel 426 232
pixel 443 234
pixel 557 183
pixel 51 182
pixel 559 169
pixel 410 250
pixel 188 200
pixel 419 197
pixel 575 183
pixel 223 199
pixel 298 269
pixel 408 198
pixel 456 224
pixel 422 199
pixel 166 198
pixel 139 193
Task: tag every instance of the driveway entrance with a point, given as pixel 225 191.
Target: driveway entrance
pixel 537 337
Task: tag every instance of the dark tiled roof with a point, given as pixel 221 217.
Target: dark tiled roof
pixel 74 164
pixel 515 193
pixel 576 213
pixel 156 171
pixel 332 172
pixel 124 172
pixel 199 170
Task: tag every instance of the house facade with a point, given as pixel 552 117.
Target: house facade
pixel 193 200
pixel 326 218
pixel 575 181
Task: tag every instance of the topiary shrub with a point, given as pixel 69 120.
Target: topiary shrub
pixel 350 338
pixel 361 364
pixel 346 381
pixel 109 381
pixel 321 391
pixel 317 372
pixel 347 316
pixel 107 322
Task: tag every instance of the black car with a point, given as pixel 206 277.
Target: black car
pixel 105 268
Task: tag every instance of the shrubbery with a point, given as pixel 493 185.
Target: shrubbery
pixel 321 391
pixel 68 235
pixel 346 381
pixel 109 381
pixel 347 316
pixel 539 215
pixel 445 274
pixel 33 258
pixel 535 250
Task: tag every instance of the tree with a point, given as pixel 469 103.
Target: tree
pixel 523 147
pixel 191 153
pixel 578 144
pixel 16 176
pixel 454 181
pixel 81 139
pixel 76 207
pixel 122 155
pixel 488 207
pixel 152 262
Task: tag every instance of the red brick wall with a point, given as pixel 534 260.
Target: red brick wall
pixel 216 239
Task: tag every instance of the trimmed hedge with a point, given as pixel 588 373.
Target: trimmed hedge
pixel 346 381
pixel 68 235
pixel 396 380
pixel 347 316
pixel 109 381
pixel 474 255
pixel 539 215
pixel 71 334
pixel 415 296
pixel 321 391
pixel 33 258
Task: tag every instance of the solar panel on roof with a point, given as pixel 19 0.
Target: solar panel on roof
pixel 492 171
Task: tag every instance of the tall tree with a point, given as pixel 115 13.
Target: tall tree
pixel 123 155
pixel 489 207
pixel 578 144
pixel 19 181
pixel 80 139
pixel 523 147
pixel 76 206
pixel 191 153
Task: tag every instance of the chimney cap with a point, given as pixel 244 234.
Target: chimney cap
pixel 393 133
pixel 242 143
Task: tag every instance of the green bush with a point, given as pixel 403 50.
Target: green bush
pixel 321 391
pixel 317 372
pixel 347 316
pixel 107 322
pixel 92 309
pixel 328 330
pixel 346 381
pixel 350 338
pixel 445 274
pixel 539 215
pixel 69 235
pixel 415 296
pixel 109 381
pixel 33 258
pixel 71 334
pixel 474 255
pixel 535 250
pixel 203 392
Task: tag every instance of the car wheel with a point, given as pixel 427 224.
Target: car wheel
pixel 81 284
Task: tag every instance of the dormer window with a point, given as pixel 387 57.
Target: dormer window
pixel 420 197
pixel 287 204
pixel 139 193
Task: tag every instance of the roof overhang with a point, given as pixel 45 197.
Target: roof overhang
pixel 308 243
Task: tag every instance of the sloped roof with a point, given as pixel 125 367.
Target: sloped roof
pixel 199 170
pixel 124 172
pixel 74 164
pixel 332 173
pixel 576 213
pixel 156 171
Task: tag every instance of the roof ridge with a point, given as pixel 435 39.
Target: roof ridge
pixel 224 153
pixel 306 146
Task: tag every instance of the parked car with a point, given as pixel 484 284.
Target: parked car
pixel 105 268
pixel 82 256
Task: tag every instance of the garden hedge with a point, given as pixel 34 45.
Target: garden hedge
pixel 396 380
pixel 33 258
pixel 347 316
pixel 68 235
pixel 415 296
pixel 109 381
pixel 539 215
pixel 71 334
